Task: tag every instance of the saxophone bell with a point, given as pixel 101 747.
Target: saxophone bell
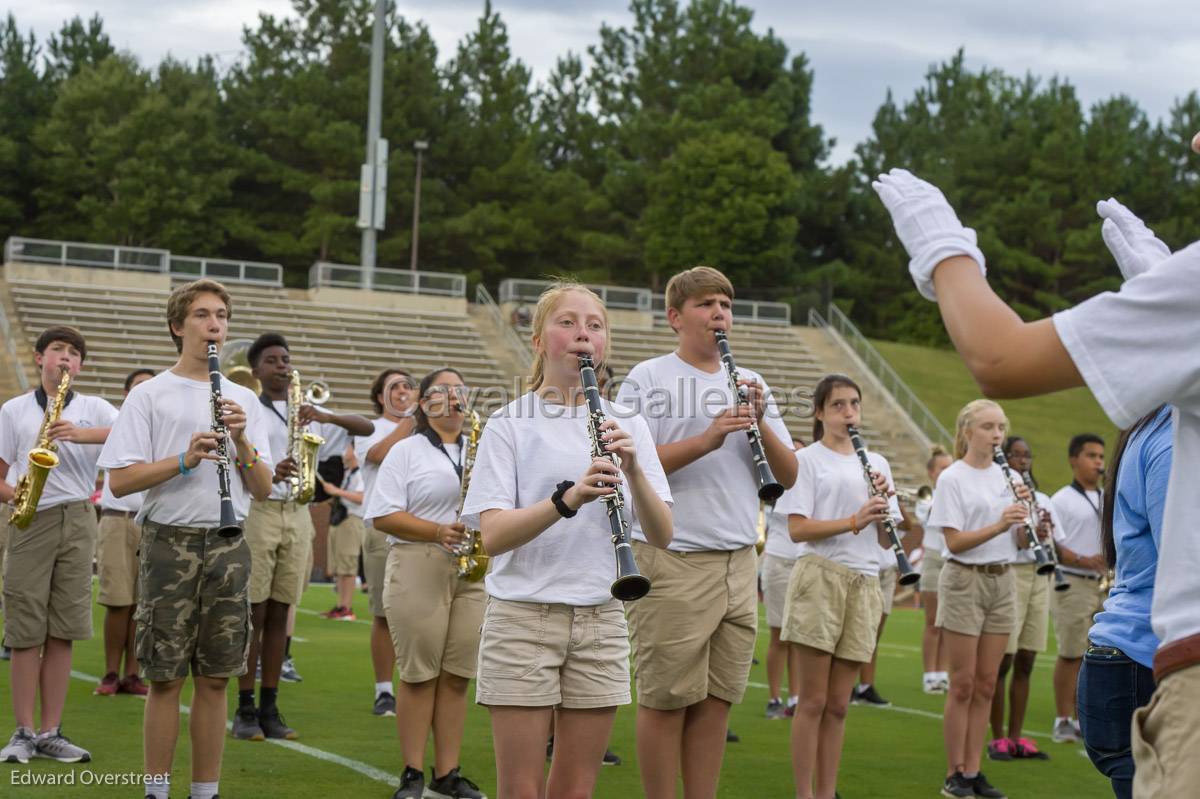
pixel 42 458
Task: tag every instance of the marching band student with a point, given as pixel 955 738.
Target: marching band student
pixel 1102 343
pixel 280 533
pixel 975 509
pixel 1029 630
pixel 48 573
pixel 554 640
pixel 433 614
pixel 936 677
pixel 393 395
pixel 345 534
pixel 1079 507
pixel 834 601
pixel 194 607
pixel 693 635
pixel 1116 677
pixel 779 556
pixel 116 570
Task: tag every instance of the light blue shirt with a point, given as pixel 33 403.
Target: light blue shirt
pixel 1137 525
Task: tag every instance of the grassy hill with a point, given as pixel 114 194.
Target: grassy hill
pixel 943 383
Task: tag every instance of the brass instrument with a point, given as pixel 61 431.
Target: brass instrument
pixel 303 445
pixel 1106 582
pixel 235 364
pixel 42 458
pixel 472 560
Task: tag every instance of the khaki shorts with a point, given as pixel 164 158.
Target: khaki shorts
pixel 375 552
pixel 48 576
pixel 931 571
pixel 1166 737
pixel 887 584
pixel 117 560
pixel 345 542
pixel 195 603
pixel 1032 626
pixel 433 616
pixel 3 549
pixel 971 602
pixel 1073 610
pixel 693 634
pixel 776 572
pixel 543 655
pixel 833 609
pixel 280 535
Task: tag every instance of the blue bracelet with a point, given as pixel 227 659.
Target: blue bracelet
pixel 183 469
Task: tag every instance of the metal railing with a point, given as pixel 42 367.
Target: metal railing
pixel 6 329
pixel 254 272
pixel 519 346
pixel 615 297
pixel 78 253
pixel 876 366
pixel 405 281
pixel 753 311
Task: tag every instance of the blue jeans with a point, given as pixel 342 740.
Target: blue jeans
pixel 1111 687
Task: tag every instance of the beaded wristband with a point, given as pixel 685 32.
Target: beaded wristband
pixel 250 465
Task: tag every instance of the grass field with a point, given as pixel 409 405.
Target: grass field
pixel 346 751
pixel 939 378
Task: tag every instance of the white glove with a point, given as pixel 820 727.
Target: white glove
pixel 1133 245
pixel 926 224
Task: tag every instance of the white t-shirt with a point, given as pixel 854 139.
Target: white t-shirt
pixel 132 503
pixel 417 478
pixel 526 450
pixel 74 478
pixel 716 496
pixel 932 540
pixel 1079 530
pixel 353 482
pixel 970 499
pixel 1045 503
pixel 157 421
pixel 830 485
pixel 336 440
pixel 1137 349
pixel 779 540
pixel 383 428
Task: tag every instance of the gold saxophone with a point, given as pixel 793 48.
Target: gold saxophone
pixel 472 560
pixel 303 445
pixel 42 458
pixel 1105 583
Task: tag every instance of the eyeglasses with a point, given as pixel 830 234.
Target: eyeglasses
pixel 458 392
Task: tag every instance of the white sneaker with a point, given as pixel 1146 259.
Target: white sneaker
pixel 22 747
pixel 1063 732
pixel 929 684
pixel 53 745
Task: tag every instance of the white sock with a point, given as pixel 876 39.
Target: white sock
pixel 775 700
pixel 158 786
pixel 793 701
pixel 943 675
pixel 929 675
pixel 383 688
pixel 1057 719
pixel 204 790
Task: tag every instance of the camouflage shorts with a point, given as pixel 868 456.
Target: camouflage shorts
pixel 194 606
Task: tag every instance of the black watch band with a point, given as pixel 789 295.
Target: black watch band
pixel 557 499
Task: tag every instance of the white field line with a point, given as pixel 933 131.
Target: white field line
pixel 365 769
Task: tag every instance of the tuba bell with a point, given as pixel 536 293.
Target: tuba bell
pixel 235 364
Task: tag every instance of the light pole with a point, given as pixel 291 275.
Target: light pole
pixel 420 146
pixel 372 203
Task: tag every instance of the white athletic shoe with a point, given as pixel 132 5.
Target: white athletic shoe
pixel 22 747
pixel 53 745
pixel 1063 732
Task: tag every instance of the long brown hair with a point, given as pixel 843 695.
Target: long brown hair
pixel 1110 491
pixel 821 396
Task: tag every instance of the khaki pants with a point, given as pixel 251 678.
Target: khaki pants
pixel 345 542
pixel 375 552
pixel 117 560
pixel 888 578
pixel 48 576
pixel 972 602
pixel 280 535
pixel 833 609
pixel 931 571
pixel 1033 610
pixel 1073 612
pixel 1166 738
pixel 776 573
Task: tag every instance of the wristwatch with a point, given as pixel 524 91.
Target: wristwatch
pixel 557 499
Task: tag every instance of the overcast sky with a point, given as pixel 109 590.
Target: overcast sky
pixel 858 49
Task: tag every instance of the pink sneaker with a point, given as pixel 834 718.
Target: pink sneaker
pixel 1027 749
pixel 108 686
pixel 132 684
pixel 1001 749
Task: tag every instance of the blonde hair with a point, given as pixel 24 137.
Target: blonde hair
pixel 546 305
pixel 696 282
pixel 966 418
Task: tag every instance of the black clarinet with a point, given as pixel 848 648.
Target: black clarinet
pixel 630 584
pixel 769 489
pixel 907 575
pixel 1060 580
pixel 1044 564
pixel 229 526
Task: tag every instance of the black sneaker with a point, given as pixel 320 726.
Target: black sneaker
pixel 245 724
pixel 273 725
pixel 452 786
pixel 412 784
pixel 982 787
pixel 731 737
pixel 869 696
pixel 385 705
pixel 957 785
pixel 610 758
